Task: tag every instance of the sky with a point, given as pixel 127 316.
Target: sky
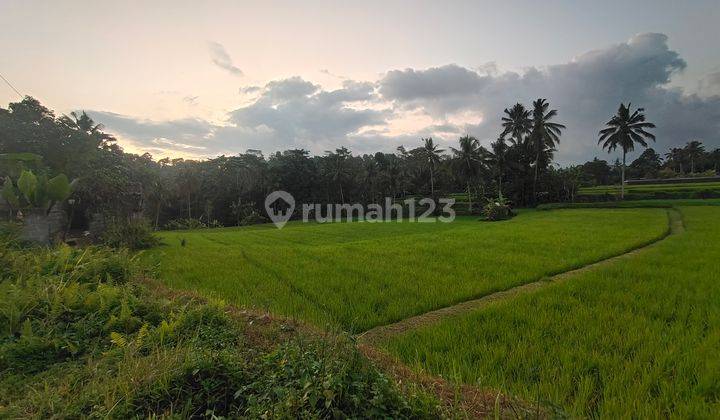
pixel 199 79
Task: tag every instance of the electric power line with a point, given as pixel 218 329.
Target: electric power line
pixel 11 86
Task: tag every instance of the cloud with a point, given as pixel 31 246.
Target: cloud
pixel 222 59
pixel 301 114
pixel 710 84
pixel 247 90
pixel 448 101
pixel 288 113
pixel 190 99
pixel 448 81
pixel 586 91
pixel 288 89
pixel 331 74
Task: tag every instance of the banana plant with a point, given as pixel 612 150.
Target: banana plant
pixel 36 191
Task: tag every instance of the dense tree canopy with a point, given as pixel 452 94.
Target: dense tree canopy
pixel 232 189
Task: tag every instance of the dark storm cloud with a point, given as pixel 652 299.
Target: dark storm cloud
pixel 222 59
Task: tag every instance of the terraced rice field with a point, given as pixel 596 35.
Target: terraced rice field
pixel 652 188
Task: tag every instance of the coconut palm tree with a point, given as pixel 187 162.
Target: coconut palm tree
pixel 544 134
pixel 516 123
pixel 624 130
pixel 497 159
pixel 338 170
pixel 432 158
pixel 470 159
pixel 83 123
pixel 695 151
pixel 676 155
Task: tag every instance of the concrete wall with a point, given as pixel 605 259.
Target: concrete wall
pixel 44 229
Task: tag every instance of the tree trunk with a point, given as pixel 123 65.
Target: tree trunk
pixel 157 216
pixel 537 163
pixel 432 184
pixel 622 178
pixel 500 186
pixel 189 212
pixel 470 203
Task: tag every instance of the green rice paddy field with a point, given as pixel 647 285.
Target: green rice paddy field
pixel 652 188
pixel 636 339
pixel 359 275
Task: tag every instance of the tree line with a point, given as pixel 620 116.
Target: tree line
pixel 518 166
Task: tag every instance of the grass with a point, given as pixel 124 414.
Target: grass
pixel 355 276
pixel 651 188
pixel 633 204
pixel 640 337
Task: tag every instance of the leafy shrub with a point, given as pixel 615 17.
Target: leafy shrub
pixel 131 234
pixel 191 224
pixel 10 235
pixel 497 210
pixel 704 174
pixel 253 219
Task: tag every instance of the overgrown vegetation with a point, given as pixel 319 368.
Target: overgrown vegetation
pixel 82 336
pixel 190 224
pixel 634 338
pixel 133 234
pixel 497 210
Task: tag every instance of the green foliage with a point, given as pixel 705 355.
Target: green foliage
pixel 497 210
pixel 37 191
pixel 81 337
pixel 132 234
pixel 253 219
pixel 27 184
pixel 59 188
pixel 190 224
pixel 9 194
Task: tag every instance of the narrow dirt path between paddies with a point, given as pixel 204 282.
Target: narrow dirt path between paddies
pixel 473 401
pixel 382 333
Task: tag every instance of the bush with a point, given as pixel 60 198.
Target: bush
pixel 497 210
pixel 253 219
pixel 131 234
pixel 190 224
